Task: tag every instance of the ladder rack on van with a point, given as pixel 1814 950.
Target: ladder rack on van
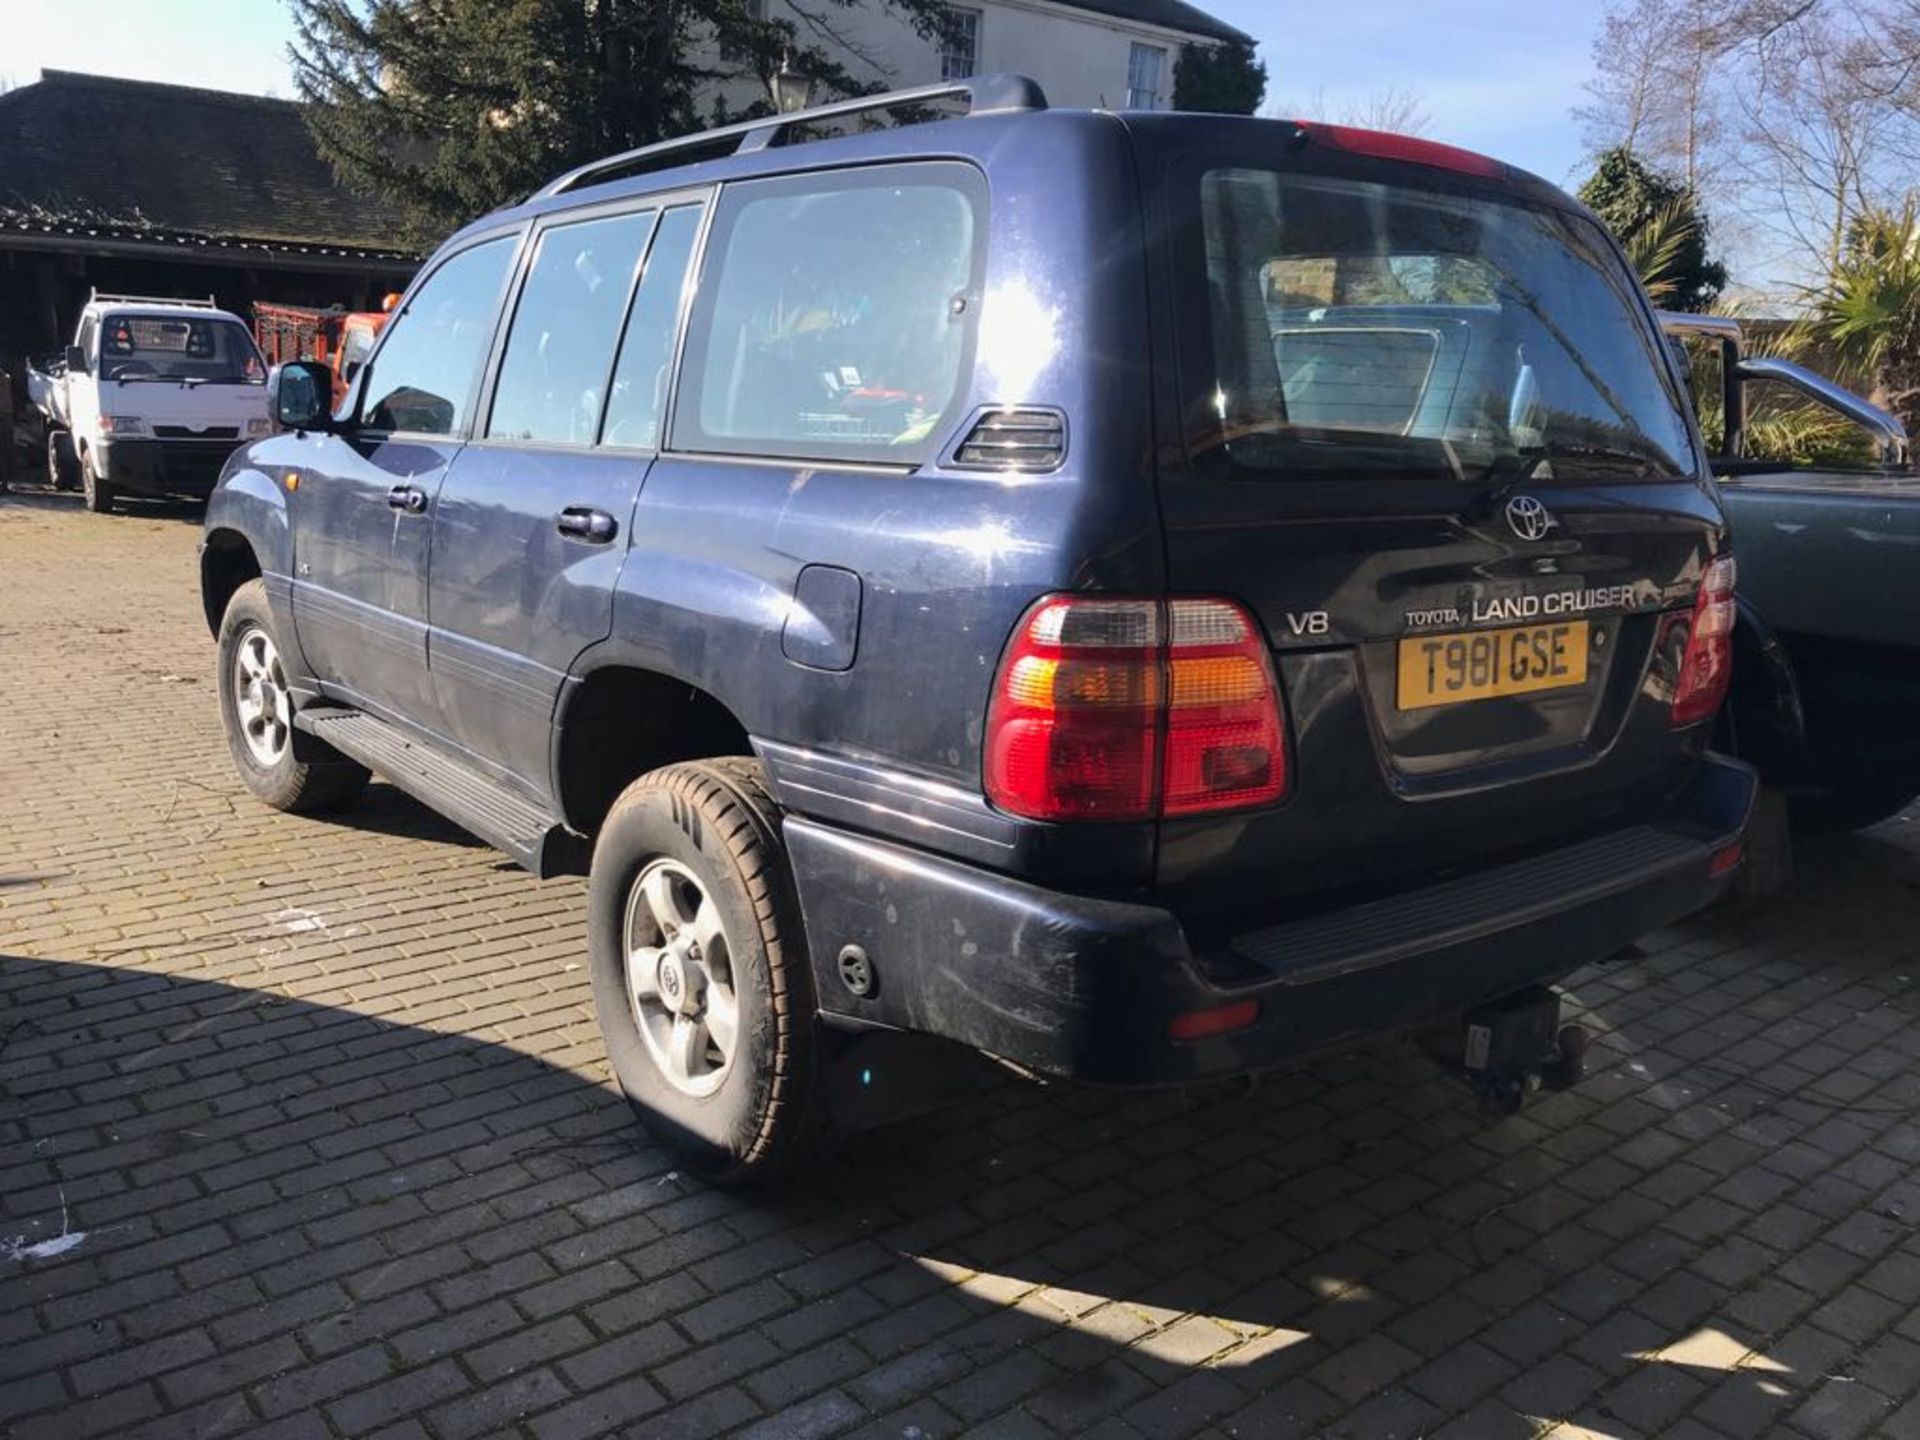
pixel 986 95
pixel 99 297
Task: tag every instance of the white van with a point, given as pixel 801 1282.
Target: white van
pixel 152 397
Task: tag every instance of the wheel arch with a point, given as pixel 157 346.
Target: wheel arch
pixel 244 536
pixel 227 561
pixel 617 721
pixel 1763 721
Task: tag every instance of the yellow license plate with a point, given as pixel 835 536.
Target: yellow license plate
pixel 1446 669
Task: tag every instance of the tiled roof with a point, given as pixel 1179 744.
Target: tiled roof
pixel 1172 14
pixel 131 159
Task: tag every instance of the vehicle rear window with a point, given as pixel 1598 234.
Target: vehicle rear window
pixel 835 317
pixel 1369 328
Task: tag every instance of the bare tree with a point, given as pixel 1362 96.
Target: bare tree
pixel 1791 117
pixel 1653 90
pixel 1404 112
pixel 1823 137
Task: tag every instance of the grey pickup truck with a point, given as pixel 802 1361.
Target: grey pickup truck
pixel 1826 691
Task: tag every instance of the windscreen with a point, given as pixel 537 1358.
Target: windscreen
pixel 206 351
pixel 1373 328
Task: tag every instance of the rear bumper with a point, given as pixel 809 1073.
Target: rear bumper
pixel 188 468
pixel 1073 986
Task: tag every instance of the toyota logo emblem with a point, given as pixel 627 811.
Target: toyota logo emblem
pixel 1529 518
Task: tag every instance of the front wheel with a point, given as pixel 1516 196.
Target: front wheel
pixel 700 974
pixel 256 707
pixel 95 487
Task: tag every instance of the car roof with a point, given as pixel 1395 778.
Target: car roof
pixel 1010 124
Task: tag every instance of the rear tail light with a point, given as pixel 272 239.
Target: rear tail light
pixel 1706 663
pixel 1131 709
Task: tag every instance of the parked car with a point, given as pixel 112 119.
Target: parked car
pixel 1058 581
pixel 1826 699
pixel 150 398
pixel 339 339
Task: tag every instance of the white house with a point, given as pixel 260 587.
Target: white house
pixel 1111 54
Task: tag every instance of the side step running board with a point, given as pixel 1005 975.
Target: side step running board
pixel 471 800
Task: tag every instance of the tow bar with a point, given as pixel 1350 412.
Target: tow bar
pixel 1513 1047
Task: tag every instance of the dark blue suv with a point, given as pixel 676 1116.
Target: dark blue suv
pixel 1148 597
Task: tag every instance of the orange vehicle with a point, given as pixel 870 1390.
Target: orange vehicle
pixel 339 339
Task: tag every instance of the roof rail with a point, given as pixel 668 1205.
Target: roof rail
pixel 101 297
pixel 987 95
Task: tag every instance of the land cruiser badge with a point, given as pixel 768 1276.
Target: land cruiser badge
pixel 1529 518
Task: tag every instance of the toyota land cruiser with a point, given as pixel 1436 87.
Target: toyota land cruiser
pixel 1148 597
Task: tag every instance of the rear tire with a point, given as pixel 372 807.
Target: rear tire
pixel 700 974
pixel 257 712
pixel 97 490
pixel 63 464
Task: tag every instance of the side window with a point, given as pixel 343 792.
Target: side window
pixel 646 350
pixel 835 314
pixel 553 377
pixel 424 373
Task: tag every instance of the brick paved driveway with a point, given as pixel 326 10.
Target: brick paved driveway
pixel 307 1132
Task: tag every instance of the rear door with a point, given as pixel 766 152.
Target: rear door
pixel 362 509
pixel 1428 433
pixel 534 521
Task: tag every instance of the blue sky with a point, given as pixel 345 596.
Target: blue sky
pixel 1498 75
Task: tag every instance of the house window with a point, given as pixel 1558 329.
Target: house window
pixel 1145 63
pixel 959 43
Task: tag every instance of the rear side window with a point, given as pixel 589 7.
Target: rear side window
pixel 835 317
pixel 553 376
pixel 423 376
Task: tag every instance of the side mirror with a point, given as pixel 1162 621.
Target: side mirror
pixel 302 395
pixel 76 360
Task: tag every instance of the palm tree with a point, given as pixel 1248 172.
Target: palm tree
pixel 1868 315
pixel 1658 249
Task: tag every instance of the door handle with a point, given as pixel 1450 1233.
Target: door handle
pixel 410 498
pixel 584 523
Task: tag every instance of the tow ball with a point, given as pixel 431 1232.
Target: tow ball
pixel 1513 1047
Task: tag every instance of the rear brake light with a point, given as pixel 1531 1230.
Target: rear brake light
pixel 1219 1020
pixel 1130 709
pixel 1705 668
pixel 1381 145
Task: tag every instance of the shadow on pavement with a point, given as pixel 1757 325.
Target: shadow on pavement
pixel 195 1167
pixel 34 494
